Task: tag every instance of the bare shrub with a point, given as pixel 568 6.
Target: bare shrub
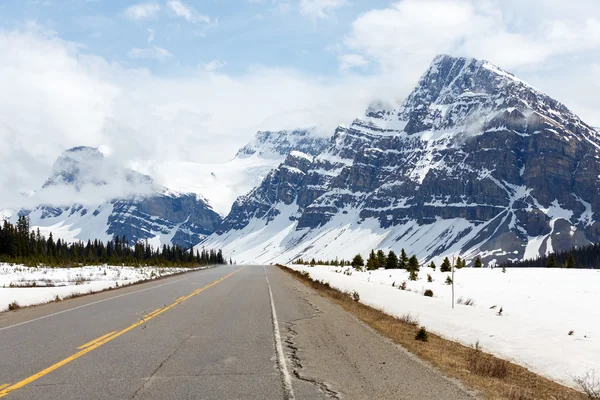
pixel 428 293
pixel 409 319
pixel 589 384
pixel 355 296
pixel 485 365
pixel 13 306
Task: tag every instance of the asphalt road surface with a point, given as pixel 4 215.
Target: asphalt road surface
pixel 232 332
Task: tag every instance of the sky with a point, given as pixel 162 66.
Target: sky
pixel 194 80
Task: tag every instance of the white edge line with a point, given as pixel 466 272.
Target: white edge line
pixel 90 304
pixel 285 375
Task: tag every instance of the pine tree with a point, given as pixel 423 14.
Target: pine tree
pixel 372 262
pixel 432 265
pixel 381 259
pixel 459 263
pixel 403 262
pixel 392 260
pixel 570 263
pixel 413 264
pixel 446 267
pixel 358 262
pixel 478 263
pixel 551 261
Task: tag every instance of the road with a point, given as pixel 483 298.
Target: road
pixel 232 332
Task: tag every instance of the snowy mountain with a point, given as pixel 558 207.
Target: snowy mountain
pixel 475 162
pixel 221 184
pixel 99 199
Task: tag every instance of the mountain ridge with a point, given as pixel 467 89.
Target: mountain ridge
pixel 474 162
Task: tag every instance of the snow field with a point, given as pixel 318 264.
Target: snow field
pixel 539 309
pixel 16 281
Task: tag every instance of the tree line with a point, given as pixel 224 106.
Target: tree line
pixel 378 259
pixel 20 244
pixel 577 257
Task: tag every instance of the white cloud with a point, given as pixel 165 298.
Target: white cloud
pixel 151 53
pixel 214 65
pixel 537 35
pixel 319 8
pixel 349 61
pixel 62 97
pixel 187 12
pixel 142 11
pixel 150 36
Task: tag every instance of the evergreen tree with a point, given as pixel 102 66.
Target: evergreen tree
pixel 432 265
pixel 570 263
pixel 478 263
pixel 381 259
pixel 403 262
pixel 372 261
pixel 358 262
pixel 459 263
pixel 413 264
pixel 551 261
pixel 392 260
pixel 446 266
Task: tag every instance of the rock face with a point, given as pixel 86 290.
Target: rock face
pixel 269 144
pixel 128 204
pixel 475 162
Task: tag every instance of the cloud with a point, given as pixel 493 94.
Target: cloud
pixel 214 65
pixel 319 8
pixel 349 61
pixel 188 13
pixel 150 36
pixel 62 96
pixel 150 53
pixel 140 11
pixel 416 30
pixel 538 40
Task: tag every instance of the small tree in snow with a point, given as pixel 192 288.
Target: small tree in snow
pixel 392 261
pixel 413 264
pixel 446 267
pixel 478 263
pixel 358 262
pixel 432 265
pixel 403 262
pixel 551 261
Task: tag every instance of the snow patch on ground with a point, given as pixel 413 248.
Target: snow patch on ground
pixel 16 281
pixel 540 307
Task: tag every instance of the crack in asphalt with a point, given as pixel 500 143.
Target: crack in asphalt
pixel 293 351
pixel 150 378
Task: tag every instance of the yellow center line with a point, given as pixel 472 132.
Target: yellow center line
pixel 2 386
pixel 6 390
pixel 153 312
pixel 95 340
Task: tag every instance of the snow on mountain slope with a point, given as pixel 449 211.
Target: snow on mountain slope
pixel 221 184
pixel 92 197
pixel 475 162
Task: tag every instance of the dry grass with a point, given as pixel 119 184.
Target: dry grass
pixel 493 378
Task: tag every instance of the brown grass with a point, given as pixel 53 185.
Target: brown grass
pixel 493 378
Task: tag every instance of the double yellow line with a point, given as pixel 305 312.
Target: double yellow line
pixel 94 344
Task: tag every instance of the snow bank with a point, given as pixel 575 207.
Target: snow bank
pixel 16 281
pixel 540 308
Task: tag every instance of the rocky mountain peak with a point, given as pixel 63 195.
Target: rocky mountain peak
pixel 475 162
pixel 278 144
pixel 83 165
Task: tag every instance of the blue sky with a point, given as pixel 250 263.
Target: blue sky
pixel 234 34
pixel 184 80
